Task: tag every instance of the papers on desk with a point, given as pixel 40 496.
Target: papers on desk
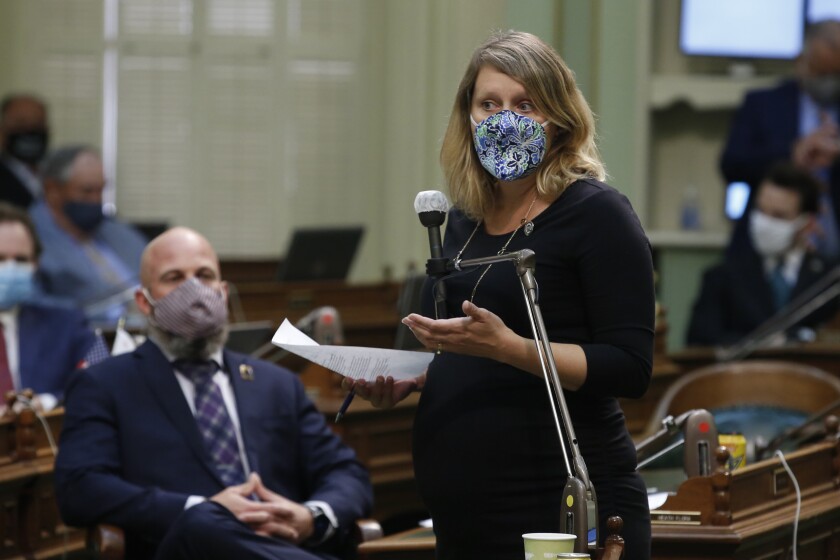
pixel 353 361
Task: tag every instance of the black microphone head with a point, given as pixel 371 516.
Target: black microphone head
pixel 431 207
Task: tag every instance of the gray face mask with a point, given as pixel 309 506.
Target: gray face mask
pixel 192 310
pixel 825 90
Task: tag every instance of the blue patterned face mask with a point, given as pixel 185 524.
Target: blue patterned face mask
pixel 510 146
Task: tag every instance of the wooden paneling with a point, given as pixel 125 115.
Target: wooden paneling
pixel 368 312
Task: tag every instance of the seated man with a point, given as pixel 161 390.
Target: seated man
pixel 40 345
pixel 795 120
pixel 166 442
pixel 24 136
pixel 752 284
pixel 89 259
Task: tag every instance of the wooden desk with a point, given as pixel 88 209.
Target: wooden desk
pixel 415 544
pixel 30 526
pixel 749 513
pixel 419 544
pixel 746 514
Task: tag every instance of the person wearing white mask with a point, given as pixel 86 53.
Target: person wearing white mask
pixel 796 120
pixel 40 344
pixel 746 289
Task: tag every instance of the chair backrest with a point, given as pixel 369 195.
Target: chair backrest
pixel 785 385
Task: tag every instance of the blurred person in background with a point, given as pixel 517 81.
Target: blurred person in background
pixel 40 345
pixel 24 138
pixel 90 260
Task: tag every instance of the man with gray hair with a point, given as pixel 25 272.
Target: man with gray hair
pixel 90 260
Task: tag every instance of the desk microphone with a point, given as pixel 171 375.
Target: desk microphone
pixel 431 208
pixel 700 438
pixel 323 325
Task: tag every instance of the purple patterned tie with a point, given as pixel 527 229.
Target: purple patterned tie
pixel 213 420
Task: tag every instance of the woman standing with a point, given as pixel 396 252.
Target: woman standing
pixel 523 171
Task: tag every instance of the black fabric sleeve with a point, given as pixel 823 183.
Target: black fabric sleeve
pixel 616 274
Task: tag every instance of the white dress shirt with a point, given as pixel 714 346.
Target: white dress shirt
pixel 9 318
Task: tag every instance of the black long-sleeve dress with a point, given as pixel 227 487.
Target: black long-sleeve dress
pixel 486 452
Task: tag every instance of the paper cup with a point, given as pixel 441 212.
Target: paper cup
pixel 541 546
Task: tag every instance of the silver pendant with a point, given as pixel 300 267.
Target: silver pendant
pixel 529 227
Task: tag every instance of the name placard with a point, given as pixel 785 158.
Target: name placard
pixel 662 517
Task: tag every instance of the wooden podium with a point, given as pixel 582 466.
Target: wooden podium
pixel 749 513
pixel 30 526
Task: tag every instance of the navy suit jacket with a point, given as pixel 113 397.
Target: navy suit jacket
pixel 763 132
pixel 736 297
pixel 52 342
pixel 131 453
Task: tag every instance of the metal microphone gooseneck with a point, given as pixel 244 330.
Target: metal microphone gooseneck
pixel 579 508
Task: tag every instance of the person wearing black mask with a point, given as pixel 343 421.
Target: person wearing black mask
pixel 89 259
pixel 799 121
pixel 24 137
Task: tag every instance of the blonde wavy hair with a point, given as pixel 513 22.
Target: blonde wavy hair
pixel 551 85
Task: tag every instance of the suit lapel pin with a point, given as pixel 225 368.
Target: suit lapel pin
pixel 246 372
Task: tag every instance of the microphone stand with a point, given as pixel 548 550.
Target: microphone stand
pixel 791 434
pixel 579 509
pixel 817 295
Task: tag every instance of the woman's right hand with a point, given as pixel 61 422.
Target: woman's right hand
pixel 384 392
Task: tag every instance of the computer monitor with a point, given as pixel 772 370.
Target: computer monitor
pixel 742 28
pixel 819 10
pixel 150 230
pixel 320 254
pixel 250 336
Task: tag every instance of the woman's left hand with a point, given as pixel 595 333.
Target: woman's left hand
pixel 480 333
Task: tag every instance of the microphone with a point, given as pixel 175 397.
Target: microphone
pixel 322 325
pixel 700 438
pixel 431 208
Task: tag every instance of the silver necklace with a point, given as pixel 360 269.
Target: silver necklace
pixel 529 227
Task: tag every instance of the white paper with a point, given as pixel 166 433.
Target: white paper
pixel 657 499
pixel 355 362
pixel 123 342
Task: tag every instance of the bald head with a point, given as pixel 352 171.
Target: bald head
pixel 192 324
pixel 174 256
